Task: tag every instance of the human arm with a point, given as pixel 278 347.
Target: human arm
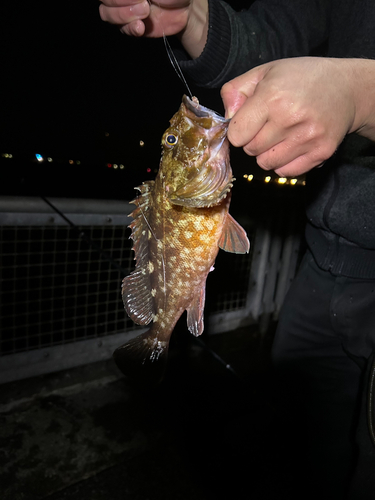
pixel 236 41
pixel 293 114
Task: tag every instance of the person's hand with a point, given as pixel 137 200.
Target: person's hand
pixel 143 18
pixel 154 18
pixel 292 114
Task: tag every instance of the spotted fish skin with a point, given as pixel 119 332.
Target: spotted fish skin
pixel 180 221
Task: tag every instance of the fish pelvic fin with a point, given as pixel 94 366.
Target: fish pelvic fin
pixel 233 238
pixel 195 313
pixel 144 358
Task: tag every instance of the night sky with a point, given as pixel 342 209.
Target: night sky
pixel 75 88
pixel 69 76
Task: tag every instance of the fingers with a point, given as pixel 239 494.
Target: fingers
pixel 296 167
pixel 290 114
pixel 135 28
pixel 123 16
pixel 235 92
pixel 249 111
pixel 268 137
pixel 293 155
pixel 247 122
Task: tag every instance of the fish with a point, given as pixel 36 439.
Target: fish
pixel 180 222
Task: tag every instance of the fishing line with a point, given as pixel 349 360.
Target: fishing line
pixel 217 357
pixel 162 256
pixel 175 64
pixel 82 235
pixel 370 402
pixel 171 56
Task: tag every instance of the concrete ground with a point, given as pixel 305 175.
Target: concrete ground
pixel 205 432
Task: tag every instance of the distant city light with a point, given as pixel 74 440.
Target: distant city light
pixel 149 170
pixel 282 180
pixel 250 177
pixel 7 155
pixel 267 179
pixel 141 143
pixel 121 166
pixel 39 157
pixel 106 134
pixel 71 162
pixel 78 162
pixel 49 159
pixel 115 165
pixel 109 165
pixel 293 181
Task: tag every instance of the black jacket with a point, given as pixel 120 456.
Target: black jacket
pixel 341 195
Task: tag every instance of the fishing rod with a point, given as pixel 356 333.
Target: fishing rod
pixel 83 236
pixel 370 402
pixel 217 357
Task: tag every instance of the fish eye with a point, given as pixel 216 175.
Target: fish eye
pixel 171 140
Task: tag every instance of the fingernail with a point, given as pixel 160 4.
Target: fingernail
pixel 139 9
pixel 229 113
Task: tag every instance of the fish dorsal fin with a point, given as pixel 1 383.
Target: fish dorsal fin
pixel 233 238
pixel 195 312
pixel 136 288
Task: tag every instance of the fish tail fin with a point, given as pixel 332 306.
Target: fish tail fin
pixel 143 358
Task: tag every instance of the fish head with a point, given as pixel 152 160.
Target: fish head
pixel 195 159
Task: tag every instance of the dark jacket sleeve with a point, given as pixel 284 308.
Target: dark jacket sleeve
pixel 268 30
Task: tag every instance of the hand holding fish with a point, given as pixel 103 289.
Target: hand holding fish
pixel 292 114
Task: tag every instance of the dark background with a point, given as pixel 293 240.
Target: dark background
pixel 75 89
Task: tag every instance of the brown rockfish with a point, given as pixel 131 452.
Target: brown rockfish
pixel 180 221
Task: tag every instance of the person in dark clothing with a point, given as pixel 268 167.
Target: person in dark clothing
pixel 298 81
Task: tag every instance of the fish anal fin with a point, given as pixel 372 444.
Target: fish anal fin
pixel 144 358
pixel 195 312
pixel 233 238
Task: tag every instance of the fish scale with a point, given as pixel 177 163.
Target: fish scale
pixel 180 221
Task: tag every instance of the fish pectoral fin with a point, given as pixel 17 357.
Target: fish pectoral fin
pixel 233 238
pixel 137 296
pixel 143 358
pixel 195 312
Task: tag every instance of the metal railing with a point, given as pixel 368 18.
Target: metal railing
pixel 60 303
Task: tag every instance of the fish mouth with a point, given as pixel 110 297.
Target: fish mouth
pixel 210 177
pixel 201 111
pixel 217 131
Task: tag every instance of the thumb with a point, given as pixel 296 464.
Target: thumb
pixel 235 92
